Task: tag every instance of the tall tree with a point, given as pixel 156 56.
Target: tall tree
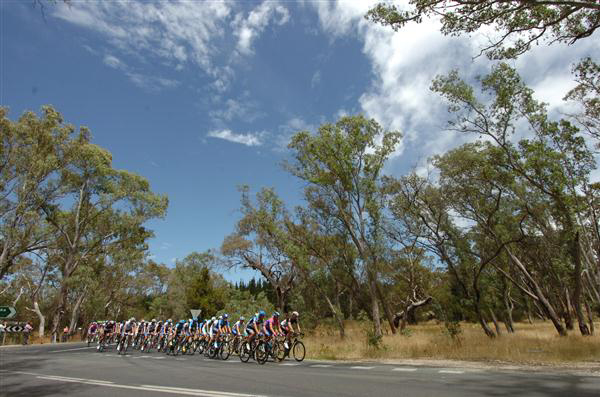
pixel 259 243
pixel 343 162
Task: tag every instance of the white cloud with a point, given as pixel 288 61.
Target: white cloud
pixel 114 62
pixel 249 139
pixel 176 32
pixel 147 82
pixel 243 107
pixel 405 62
pixel 249 28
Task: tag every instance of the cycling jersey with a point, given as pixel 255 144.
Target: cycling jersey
pixel 128 327
pixel 238 325
pixel 254 320
pixel 285 324
pixel 222 323
pixel 270 325
pixel 178 328
pixel 151 327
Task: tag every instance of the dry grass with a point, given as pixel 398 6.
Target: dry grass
pixel 532 344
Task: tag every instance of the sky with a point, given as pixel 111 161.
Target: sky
pixel 202 97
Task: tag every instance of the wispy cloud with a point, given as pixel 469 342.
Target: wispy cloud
pixel 150 83
pixel 248 139
pixel 176 33
pixel 316 79
pixel 242 107
pixel 247 29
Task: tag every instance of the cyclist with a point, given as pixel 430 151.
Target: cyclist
pixel 254 325
pixel 287 325
pixel 271 326
pixel 223 326
pixel 92 329
pixel 214 329
pixel 127 330
pixel 238 327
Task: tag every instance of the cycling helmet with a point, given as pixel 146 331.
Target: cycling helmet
pixel 169 321
pixel 190 320
pixel 242 318
pixel 132 319
pixel 181 321
pixel 213 319
pixel 153 320
pixel 262 313
pixel 225 316
pixel 295 314
pixel 276 314
pixel 220 317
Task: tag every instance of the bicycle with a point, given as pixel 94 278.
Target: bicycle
pixel 296 346
pixel 124 343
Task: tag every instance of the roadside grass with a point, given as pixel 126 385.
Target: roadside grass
pixel 536 343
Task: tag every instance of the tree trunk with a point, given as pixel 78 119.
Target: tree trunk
pixel 548 309
pixel 495 321
pixel 60 310
pixel 488 331
pixel 375 308
pixel 42 326
pixel 75 313
pixel 350 306
pixel 528 303
pixel 567 312
pixel 509 306
pixel 576 254
pixel 590 316
pixel 386 307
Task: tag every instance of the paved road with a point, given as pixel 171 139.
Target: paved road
pixel 75 370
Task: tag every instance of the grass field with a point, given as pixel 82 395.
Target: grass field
pixel 536 343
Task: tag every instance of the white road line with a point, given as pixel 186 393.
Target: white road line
pixel 359 367
pixel 321 366
pixel 68 350
pixel 290 364
pixel 403 369
pixel 158 389
pixel 208 392
pixel 450 371
pixel 180 359
pixel 159 358
pixel 66 378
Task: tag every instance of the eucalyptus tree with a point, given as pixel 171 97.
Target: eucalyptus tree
pixel 103 208
pixel 519 24
pixel 260 243
pixel 342 163
pixel 325 259
pixel 551 164
pixel 587 94
pixel 33 150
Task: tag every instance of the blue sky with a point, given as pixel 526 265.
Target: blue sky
pixel 200 97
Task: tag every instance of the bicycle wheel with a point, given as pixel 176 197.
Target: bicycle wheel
pixel 299 351
pixel 280 351
pixel 245 352
pixel 261 353
pixel 225 351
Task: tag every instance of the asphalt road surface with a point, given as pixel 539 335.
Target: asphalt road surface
pixel 74 370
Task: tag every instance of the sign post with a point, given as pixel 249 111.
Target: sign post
pixel 195 313
pixel 7 312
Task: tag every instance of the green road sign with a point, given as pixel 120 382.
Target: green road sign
pixel 7 312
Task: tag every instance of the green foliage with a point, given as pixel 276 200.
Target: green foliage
pixel 520 24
